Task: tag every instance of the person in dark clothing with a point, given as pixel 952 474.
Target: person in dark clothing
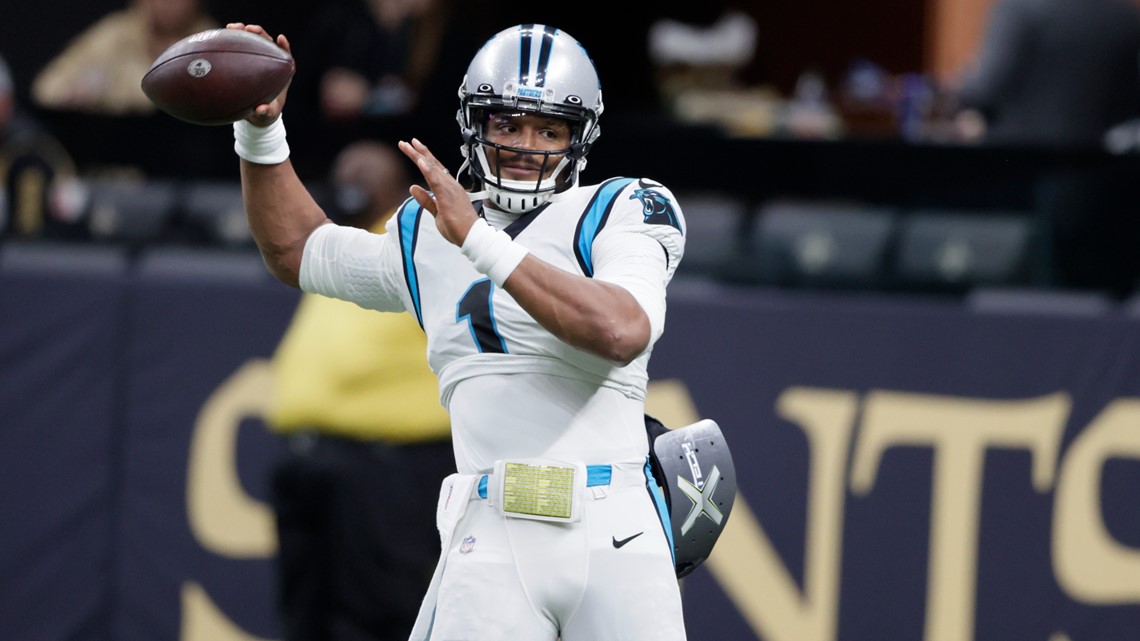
pixel 1059 74
pixel 379 68
pixel 365 443
pixel 1056 72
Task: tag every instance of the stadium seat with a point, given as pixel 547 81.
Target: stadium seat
pixel 1021 300
pixel 62 258
pixel 1131 305
pixel 954 251
pixel 714 239
pixel 202 264
pixel 216 209
pixel 131 210
pixel 823 244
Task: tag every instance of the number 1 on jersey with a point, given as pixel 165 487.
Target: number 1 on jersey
pixel 475 307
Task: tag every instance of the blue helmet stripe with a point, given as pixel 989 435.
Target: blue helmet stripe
pixel 544 54
pixel 408 219
pixel 525 32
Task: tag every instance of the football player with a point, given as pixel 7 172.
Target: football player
pixel 541 299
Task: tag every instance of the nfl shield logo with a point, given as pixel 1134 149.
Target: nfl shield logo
pixel 467 545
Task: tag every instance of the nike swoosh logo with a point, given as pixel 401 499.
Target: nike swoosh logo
pixel 618 544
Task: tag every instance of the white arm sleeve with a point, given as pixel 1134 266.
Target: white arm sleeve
pixel 640 255
pixel 354 265
pixel 637 263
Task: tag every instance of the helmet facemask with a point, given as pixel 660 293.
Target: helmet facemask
pixel 529 69
pixel 558 168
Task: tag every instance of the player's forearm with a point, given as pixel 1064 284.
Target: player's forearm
pixel 592 315
pixel 281 215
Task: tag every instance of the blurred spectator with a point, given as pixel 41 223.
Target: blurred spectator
pixel 367 444
pixel 41 196
pixel 1054 72
pixel 697 63
pixel 101 69
pixel 13 123
pixel 374 69
pixel 369 182
pixel 867 100
pixel 688 56
pixel 809 112
pixel 383 54
pixel 1061 74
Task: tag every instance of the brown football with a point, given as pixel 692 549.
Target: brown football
pixel 218 76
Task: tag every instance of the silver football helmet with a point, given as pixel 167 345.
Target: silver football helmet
pixel 529 68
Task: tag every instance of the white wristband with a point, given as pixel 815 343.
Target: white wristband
pixel 261 145
pixel 492 252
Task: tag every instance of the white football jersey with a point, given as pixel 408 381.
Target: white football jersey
pixel 513 389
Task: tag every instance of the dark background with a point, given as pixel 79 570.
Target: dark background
pixel 823 35
pixel 110 364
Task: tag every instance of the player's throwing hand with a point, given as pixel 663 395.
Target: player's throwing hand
pixel 447 200
pixel 264 115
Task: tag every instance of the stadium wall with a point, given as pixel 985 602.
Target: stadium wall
pixel 908 469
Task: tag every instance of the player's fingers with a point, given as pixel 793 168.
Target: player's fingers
pixel 422 162
pixel 423 149
pixel 259 30
pixel 443 186
pixel 424 198
pixel 264 115
pixel 281 96
pixel 425 160
pixel 411 152
pixel 417 149
pixel 283 42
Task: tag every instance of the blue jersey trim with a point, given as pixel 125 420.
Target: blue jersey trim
pixel 662 508
pixel 598 475
pixel 593 219
pixel 408 223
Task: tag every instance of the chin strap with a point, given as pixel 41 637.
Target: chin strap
pixel 493 197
